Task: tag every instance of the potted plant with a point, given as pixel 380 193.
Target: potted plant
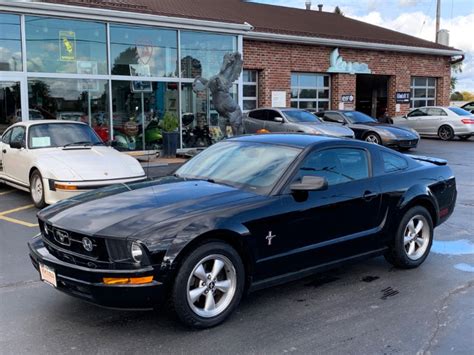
pixel 170 135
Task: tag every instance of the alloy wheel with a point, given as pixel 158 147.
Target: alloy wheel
pixel 36 189
pixel 445 133
pixel 372 138
pixel 211 286
pixel 416 237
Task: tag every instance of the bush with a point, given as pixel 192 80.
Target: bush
pixel 170 122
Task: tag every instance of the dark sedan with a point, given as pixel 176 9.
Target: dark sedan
pixel 370 130
pixel 246 213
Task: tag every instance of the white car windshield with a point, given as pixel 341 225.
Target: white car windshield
pixel 252 166
pixel 48 135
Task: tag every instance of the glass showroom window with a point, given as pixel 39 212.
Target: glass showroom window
pixel 143 51
pixel 310 91
pixel 71 99
pixel 250 95
pixel 138 111
pixel 202 53
pixel 201 124
pixel 10 43
pixel 65 46
pixel 423 91
pixel 10 104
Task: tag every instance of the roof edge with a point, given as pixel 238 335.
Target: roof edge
pixel 94 13
pixel 276 37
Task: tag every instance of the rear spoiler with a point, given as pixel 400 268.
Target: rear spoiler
pixel 436 161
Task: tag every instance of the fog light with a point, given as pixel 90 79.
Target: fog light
pixel 136 251
pixel 127 280
pixel 64 186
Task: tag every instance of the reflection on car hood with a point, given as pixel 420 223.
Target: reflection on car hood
pixel 329 129
pixel 123 210
pixel 400 132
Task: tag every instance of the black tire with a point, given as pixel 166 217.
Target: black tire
pixel 464 138
pixel 36 177
pixel 179 292
pixel 397 254
pixel 445 133
pixel 372 137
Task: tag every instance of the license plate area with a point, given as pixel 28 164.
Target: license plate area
pixel 48 275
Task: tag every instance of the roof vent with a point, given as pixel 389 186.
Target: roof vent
pixel 320 7
pixel 308 5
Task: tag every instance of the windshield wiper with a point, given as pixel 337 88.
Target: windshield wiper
pixel 98 143
pixel 78 143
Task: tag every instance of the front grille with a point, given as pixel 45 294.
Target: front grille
pixel 409 143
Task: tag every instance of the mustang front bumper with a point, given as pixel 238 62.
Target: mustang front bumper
pixel 87 283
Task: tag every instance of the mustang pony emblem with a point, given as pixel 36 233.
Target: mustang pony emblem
pixel 269 237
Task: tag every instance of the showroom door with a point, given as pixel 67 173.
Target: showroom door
pixel 10 102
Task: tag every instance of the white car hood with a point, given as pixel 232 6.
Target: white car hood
pixel 97 163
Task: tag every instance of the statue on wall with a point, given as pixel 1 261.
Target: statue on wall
pixel 338 65
pixel 220 85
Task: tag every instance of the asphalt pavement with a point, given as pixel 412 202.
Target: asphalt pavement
pixel 364 308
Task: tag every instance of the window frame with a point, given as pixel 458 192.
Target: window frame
pixel 317 88
pixel 250 83
pixel 426 87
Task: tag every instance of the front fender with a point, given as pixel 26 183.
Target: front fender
pixel 51 169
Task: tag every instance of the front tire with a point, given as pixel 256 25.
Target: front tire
pixel 37 189
pixel 413 240
pixel 373 137
pixel 445 133
pixel 209 285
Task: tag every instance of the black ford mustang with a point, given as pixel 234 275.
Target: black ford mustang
pixel 246 213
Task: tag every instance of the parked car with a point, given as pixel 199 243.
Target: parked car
pixel 33 115
pixel 370 130
pixel 278 120
pixel 71 116
pixel 55 160
pixel 469 107
pixel 247 213
pixel 444 122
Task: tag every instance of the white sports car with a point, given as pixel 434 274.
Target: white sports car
pixel 55 160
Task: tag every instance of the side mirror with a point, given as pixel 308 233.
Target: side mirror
pixel 310 183
pixel 278 119
pixel 16 145
pixel 405 116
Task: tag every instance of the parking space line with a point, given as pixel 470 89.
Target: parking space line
pixel 6 192
pixel 17 221
pixel 16 210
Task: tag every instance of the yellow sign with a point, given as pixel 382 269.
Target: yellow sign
pixel 67 45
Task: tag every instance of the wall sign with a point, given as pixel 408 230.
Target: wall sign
pixel 278 98
pixel 347 98
pixel 402 97
pixel 338 65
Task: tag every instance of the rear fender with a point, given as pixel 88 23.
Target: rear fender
pixel 419 195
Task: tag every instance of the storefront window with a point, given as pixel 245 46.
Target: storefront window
pixel 201 123
pixel 250 90
pixel 143 51
pixel 138 110
pixel 10 104
pixel 71 99
pixel 423 91
pixel 65 46
pixel 10 43
pixel 310 91
pixel 202 53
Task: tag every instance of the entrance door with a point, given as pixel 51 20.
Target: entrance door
pixel 371 94
pixel 10 103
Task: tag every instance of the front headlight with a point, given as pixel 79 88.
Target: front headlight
pixel 136 251
pixel 414 132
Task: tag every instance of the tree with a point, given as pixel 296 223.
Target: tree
pixel 456 96
pixel 338 11
pixel 455 69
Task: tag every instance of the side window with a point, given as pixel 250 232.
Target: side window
pixel 18 135
pixel 258 114
pixel 436 112
pixel 333 117
pixel 337 165
pixel 416 113
pixel 272 114
pixel 392 162
pixel 6 137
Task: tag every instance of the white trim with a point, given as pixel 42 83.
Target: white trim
pixel 94 13
pixel 328 42
pixel 240 86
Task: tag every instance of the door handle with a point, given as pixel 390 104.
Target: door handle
pixel 369 195
pixel 4 151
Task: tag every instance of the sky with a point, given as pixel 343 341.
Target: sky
pixel 413 17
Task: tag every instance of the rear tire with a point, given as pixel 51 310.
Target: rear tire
pixel 412 242
pixel 37 189
pixel 445 133
pixel 373 137
pixel 209 285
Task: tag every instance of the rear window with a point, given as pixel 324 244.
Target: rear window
pixel 459 111
pixel 392 162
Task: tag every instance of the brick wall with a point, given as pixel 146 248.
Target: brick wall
pixel 275 62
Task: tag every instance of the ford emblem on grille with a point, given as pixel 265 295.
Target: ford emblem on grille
pixel 62 237
pixel 87 244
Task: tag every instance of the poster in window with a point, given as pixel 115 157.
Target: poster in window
pixel 141 70
pixel 67 45
pixel 88 68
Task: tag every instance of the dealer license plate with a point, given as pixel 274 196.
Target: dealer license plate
pixel 48 275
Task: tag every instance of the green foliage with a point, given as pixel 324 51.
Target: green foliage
pixel 456 96
pixel 170 122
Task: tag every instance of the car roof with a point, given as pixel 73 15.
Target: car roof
pixel 298 140
pixel 36 122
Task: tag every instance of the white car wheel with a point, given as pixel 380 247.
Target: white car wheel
pixel 37 189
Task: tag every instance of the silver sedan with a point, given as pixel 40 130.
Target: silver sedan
pixel 291 120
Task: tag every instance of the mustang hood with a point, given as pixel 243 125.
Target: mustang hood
pixel 122 210
pixel 97 163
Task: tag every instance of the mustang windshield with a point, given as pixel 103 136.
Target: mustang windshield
pixel 48 135
pixel 296 116
pixel 246 165
pixel 358 117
